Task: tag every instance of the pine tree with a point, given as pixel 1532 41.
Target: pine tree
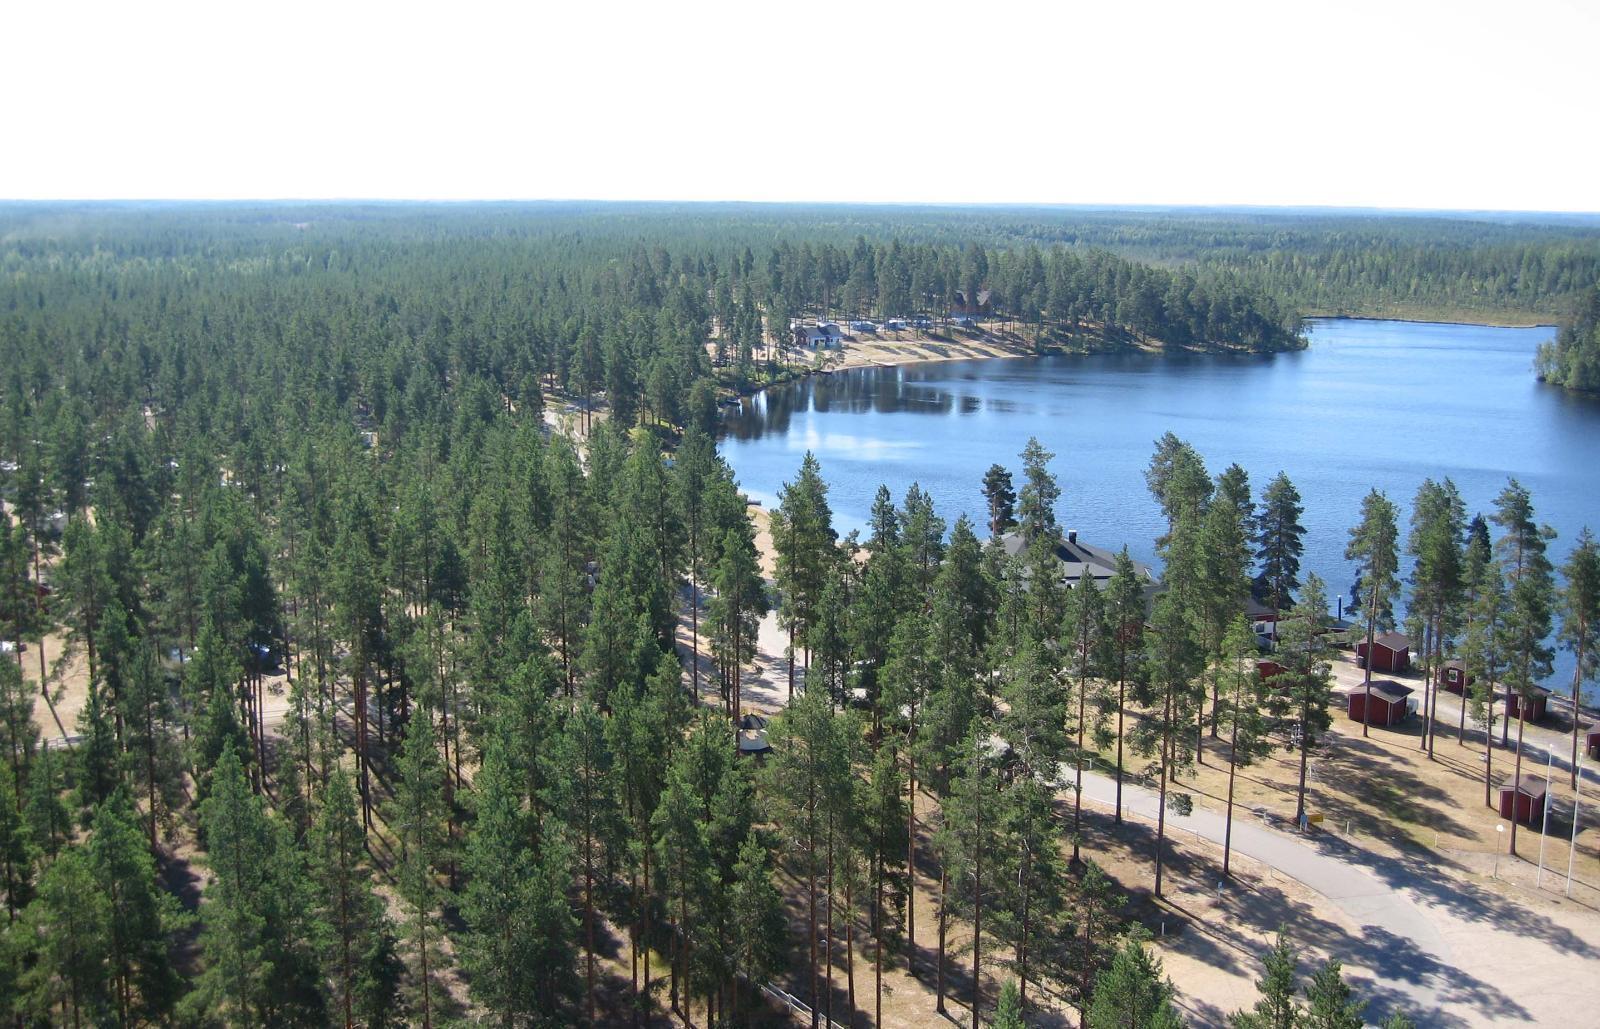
pixel 1036 504
pixel 1083 642
pixel 1531 590
pixel 1095 928
pixel 1125 622
pixel 1008 1010
pixel 589 811
pixel 355 939
pixel 1000 498
pixel 1247 735
pixel 1132 993
pixel 1178 481
pixel 152 758
pixel 16 849
pixel 46 816
pixel 1300 703
pixel 803 536
pixel 1279 542
pixel 18 734
pixel 417 816
pixel 756 917
pixel 1438 526
pixel 1484 659
pixel 255 926
pixel 68 927
pixel 1375 547
pixel 143 983
pixel 1580 624
pixel 1276 1008
pixel 966 839
pixel 1330 1003
pixel 1170 696
pixel 735 612
pixel 809 759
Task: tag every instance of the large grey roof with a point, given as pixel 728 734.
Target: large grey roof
pixel 1076 556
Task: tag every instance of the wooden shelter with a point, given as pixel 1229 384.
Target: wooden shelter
pixel 1390 703
pixel 1391 652
pixel 1454 677
pixel 1537 698
pixel 1524 800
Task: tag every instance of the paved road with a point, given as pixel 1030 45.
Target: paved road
pixel 1366 899
pixel 1439 947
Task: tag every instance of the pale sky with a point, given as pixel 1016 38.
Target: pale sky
pixel 1397 103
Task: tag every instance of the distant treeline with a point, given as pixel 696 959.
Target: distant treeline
pixel 388 304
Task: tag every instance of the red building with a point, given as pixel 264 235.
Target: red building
pixel 1591 741
pixel 1537 698
pixel 1527 797
pixel 1454 677
pixel 1391 652
pixel 1269 670
pixel 1390 703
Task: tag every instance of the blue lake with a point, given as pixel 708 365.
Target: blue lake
pixel 1370 403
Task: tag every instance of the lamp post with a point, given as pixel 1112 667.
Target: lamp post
pixel 1499 827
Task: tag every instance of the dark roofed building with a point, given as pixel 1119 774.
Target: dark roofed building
pixel 1523 801
pixel 1391 652
pixel 1076 557
pixel 1389 705
pixel 1532 709
pixel 1454 677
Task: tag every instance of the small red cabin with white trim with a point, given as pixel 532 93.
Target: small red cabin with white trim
pixel 1454 677
pixel 1524 801
pixel 1391 652
pixel 1538 697
pixel 1390 703
pixel 1591 740
pixel 1269 670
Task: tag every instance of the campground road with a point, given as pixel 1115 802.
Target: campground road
pixel 1444 950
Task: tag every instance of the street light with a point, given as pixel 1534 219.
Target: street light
pixel 1544 824
pixel 1499 827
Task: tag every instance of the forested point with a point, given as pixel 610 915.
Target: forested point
pixel 1573 358
pixel 403 700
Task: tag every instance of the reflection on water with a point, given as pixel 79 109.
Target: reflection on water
pixel 1370 404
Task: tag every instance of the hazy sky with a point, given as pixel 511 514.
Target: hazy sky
pixel 1456 104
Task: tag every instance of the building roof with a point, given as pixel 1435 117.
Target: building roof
pixel 1533 693
pixel 1456 663
pixel 1527 785
pixel 1392 641
pixel 1386 689
pixel 1077 556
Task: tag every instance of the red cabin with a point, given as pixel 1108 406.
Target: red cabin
pixel 1390 703
pixel 1591 741
pixel 1523 802
pixel 1269 670
pixel 1538 696
pixel 1454 677
pixel 1391 652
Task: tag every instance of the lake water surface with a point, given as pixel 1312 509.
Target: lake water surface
pixel 1370 403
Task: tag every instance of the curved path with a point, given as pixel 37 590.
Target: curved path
pixel 1446 951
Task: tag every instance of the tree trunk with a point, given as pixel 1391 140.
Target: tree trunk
pixel 1516 774
pixel 1161 812
pixel 943 924
pixel 1233 764
pixel 1577 682
pixel 1121 703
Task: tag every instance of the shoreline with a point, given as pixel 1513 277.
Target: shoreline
pixel 1429 321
